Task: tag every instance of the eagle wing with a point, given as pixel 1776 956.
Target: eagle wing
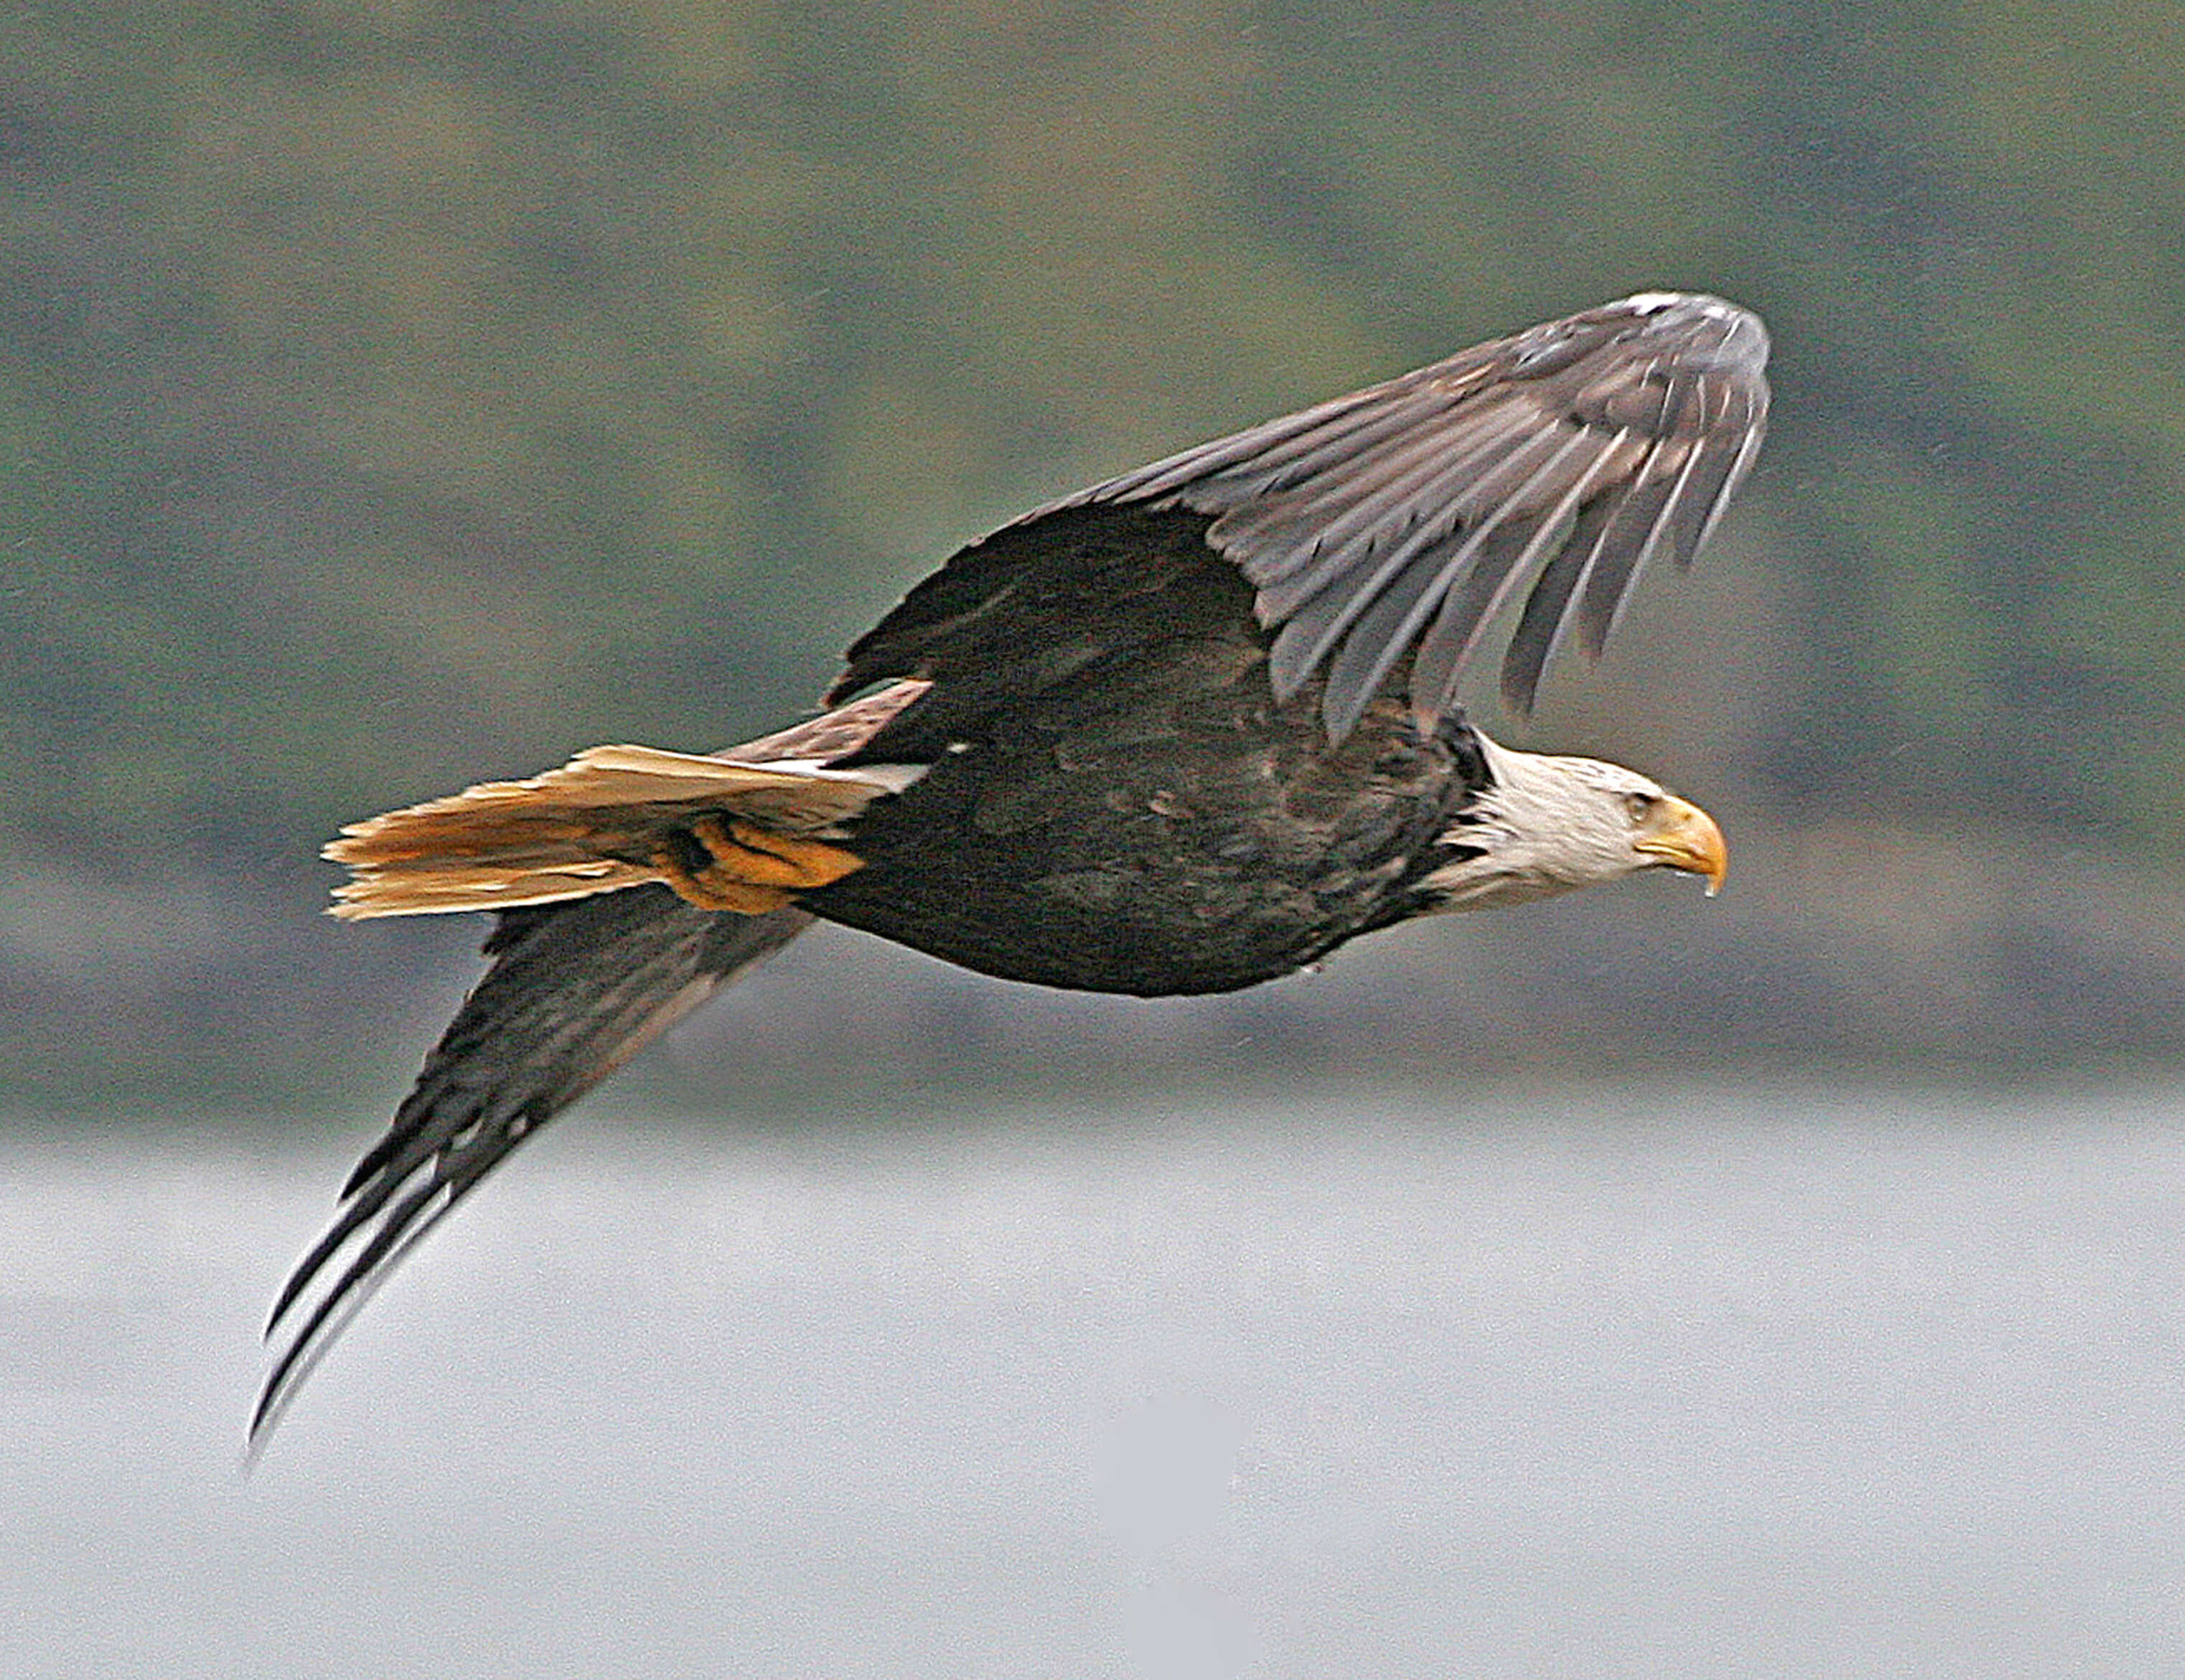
pixel 1402 519
pixel 575 989
pixel 574 992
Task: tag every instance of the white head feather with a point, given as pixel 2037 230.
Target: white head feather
pixel 1551 823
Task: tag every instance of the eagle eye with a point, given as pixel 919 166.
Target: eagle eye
pixel 1641 805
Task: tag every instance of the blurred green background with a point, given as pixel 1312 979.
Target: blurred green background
pixel 397 394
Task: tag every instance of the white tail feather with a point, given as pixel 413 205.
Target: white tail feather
pixel 593 825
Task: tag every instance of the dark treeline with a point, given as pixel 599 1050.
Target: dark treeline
pixel 393 394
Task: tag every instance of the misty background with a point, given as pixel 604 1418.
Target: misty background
pixel 393 396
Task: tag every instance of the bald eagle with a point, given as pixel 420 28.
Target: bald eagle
pixel 1185 731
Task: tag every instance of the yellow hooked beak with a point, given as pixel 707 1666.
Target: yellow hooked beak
pixel 1683 837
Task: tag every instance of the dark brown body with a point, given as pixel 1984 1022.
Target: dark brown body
pixel 1124 806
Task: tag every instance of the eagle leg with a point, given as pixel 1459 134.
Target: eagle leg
pixel 722 865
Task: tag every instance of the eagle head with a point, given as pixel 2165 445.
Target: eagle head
pixel 1544 823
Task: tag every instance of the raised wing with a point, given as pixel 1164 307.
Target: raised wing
pixel 1398 522
pixel 1403 518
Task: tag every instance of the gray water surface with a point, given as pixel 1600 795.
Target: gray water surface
pixel 1729 1381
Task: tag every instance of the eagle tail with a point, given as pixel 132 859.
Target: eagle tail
pixel 725 833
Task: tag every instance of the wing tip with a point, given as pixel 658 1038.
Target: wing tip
pixel 1706 342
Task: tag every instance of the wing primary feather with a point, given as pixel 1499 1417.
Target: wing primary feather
pixel 1421 494
pixel 1610 587
pixel 1617 553
pixel 298 1363
pixel 1444 648
pixel 1713 495
pixel 1546 616
pixel 1379 638
pixel 1375 643
pixel 401 1221
pixel 1691 510
pixel 1312 626
pixel 1501 565
pixel 1698 401
pixel 1458 629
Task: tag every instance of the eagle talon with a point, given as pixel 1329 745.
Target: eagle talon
pixel 780 860
pixel 711 890
pixel 721 865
